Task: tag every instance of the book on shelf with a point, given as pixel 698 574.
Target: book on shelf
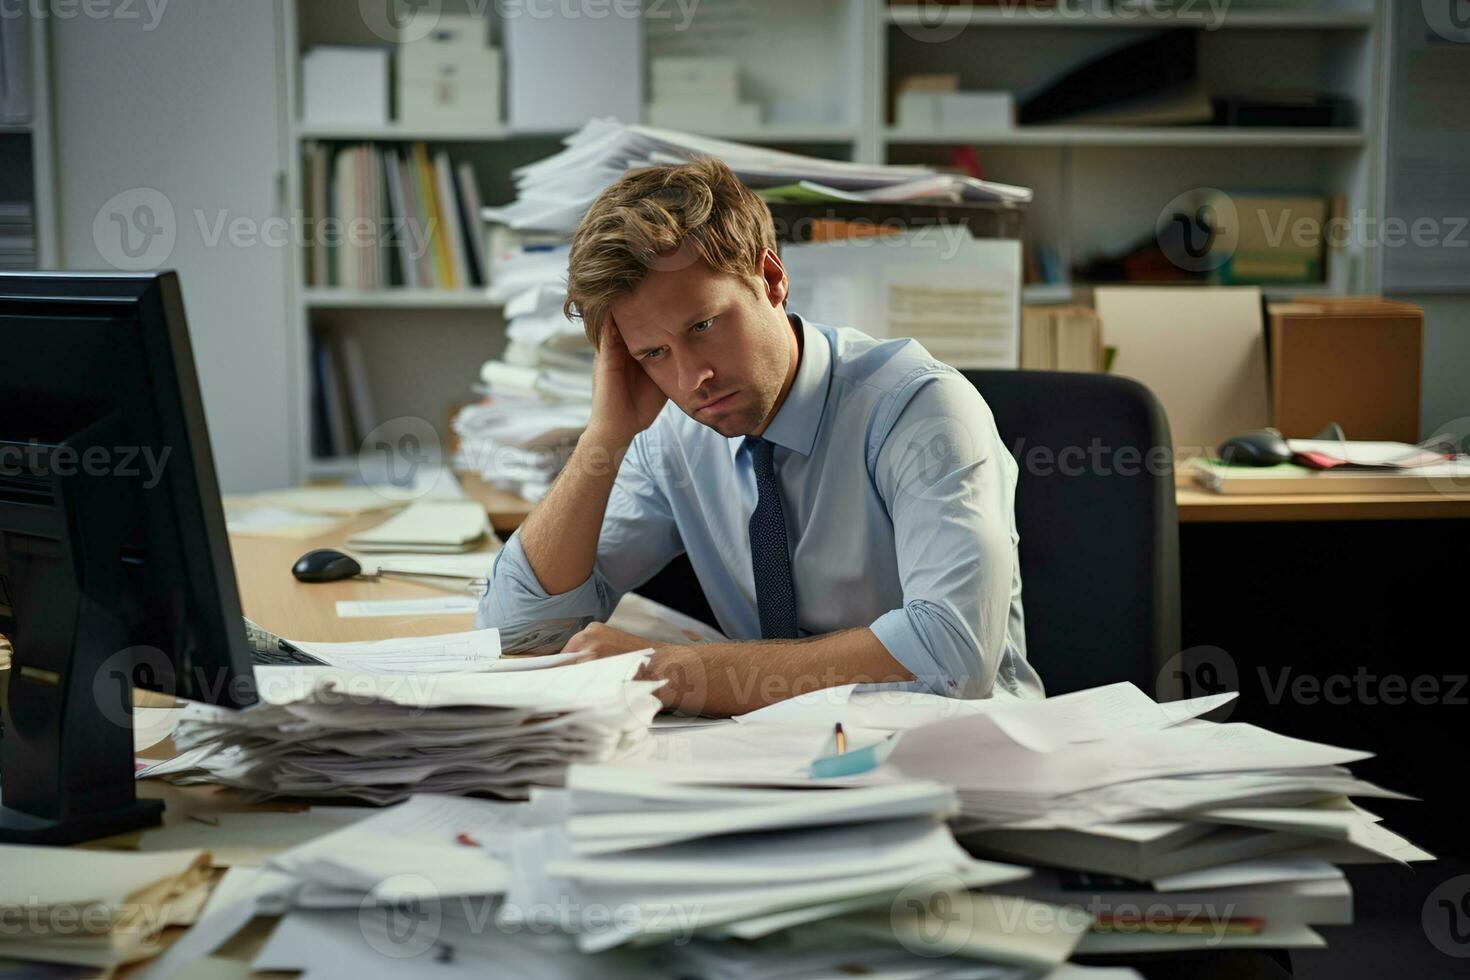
pixel 389 217
pixel 343 409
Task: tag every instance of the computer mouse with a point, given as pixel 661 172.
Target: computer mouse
pixel 1259 447
pixel 325 565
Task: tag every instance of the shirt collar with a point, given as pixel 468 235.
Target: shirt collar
pixel 796 421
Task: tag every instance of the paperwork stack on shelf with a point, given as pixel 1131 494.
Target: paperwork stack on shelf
pixel 537 398
pixel 96 909
pixel 379 737
pixel 552 194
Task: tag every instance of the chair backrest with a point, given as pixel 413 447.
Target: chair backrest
pixel 1099 530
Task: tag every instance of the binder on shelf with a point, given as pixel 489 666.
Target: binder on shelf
pixel 385 216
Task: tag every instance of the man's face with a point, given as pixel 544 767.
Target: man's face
pixel 719 347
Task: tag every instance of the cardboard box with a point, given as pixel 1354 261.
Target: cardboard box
pixel 1350 360
pixel 983 112
pixel 1279 240
pixel 345 85
pixel 1060 338
pixel 460 89
pixel 698 78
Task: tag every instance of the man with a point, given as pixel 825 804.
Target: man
pixel 846 503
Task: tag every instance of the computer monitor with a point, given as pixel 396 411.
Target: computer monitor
pixel 114 565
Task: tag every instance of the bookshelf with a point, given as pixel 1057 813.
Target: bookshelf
pixel 424 347
pixel 27 160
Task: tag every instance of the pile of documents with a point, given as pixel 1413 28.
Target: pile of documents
pixel 611 878
pixel 94 909
pixel 1171 831
pixel 536 398
pixel 380 737
pixel 552 194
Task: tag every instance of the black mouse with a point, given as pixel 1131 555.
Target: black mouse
pixel 325 565
pixel 1259 447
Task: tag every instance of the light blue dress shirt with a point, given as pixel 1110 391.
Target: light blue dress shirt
pixel 899 503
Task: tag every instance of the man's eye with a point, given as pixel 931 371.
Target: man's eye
pixel 703 325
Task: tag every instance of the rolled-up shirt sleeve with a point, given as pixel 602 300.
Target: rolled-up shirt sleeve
pixel 950 489
pixel 638 538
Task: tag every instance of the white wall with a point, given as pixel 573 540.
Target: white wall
pixel 180 113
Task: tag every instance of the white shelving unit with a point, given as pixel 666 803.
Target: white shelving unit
pixel 823 71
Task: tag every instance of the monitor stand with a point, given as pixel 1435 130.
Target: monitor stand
pixel 66 753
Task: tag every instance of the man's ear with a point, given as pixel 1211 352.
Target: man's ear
pixel 773 275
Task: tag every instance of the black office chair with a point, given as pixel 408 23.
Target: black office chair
pixel 1099 530
pixel 1099 546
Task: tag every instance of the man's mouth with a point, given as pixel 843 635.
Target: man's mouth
pixel 718 404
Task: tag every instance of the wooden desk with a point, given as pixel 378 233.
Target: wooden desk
pixel 272 597
pixel 506 510
pixel 1200 506
pixel 1196 506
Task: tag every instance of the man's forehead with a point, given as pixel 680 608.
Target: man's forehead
pixel 664 303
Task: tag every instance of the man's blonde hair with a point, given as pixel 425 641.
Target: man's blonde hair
pixel 664 218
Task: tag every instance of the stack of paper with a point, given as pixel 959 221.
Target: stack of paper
pixel 429 526
pixel 1100 785
pixel 552 194
pixel 97 909
pixel 328 732
pixel 537 397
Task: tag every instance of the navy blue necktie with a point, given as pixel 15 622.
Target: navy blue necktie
pixel 769 554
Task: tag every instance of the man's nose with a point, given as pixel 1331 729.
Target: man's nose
pixel 693 371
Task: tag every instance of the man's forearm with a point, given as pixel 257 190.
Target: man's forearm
pixel 560 536
pixel 723 679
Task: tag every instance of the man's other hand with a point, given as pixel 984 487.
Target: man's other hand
pixel 679 665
